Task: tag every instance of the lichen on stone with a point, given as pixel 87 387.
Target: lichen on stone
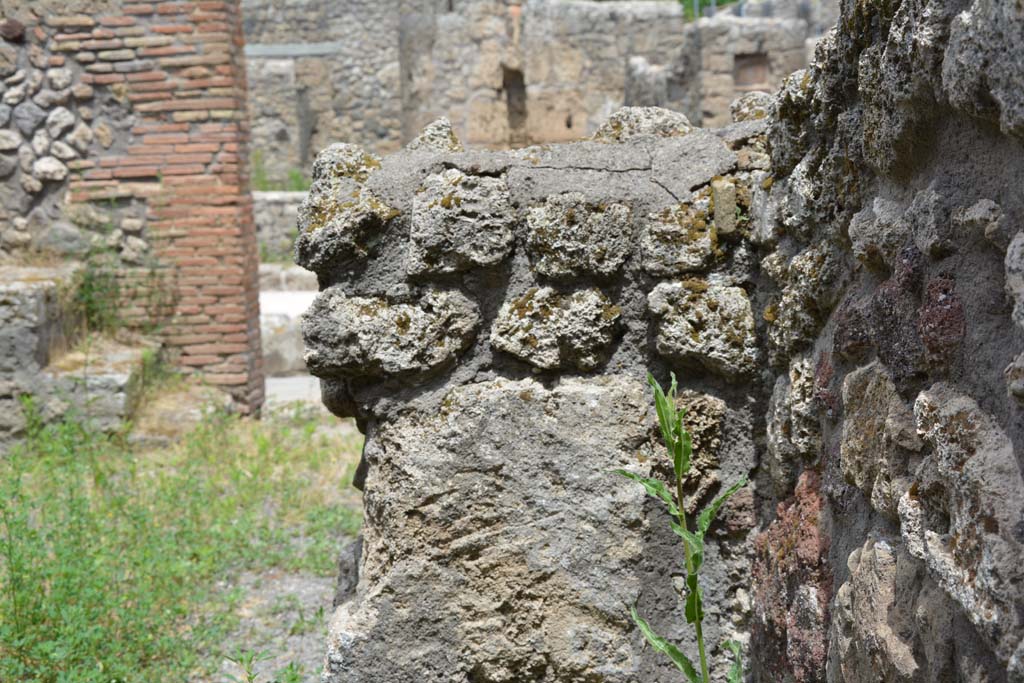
pixel 680 240
pixel 438 136
pixel 707 324
pixel 459 221
pixel 550 330
pixel 568 237
pixel 631 122
pixel 356 336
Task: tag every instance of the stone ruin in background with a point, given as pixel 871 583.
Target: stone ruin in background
pixel 123 148
pixel 836 278
pixel 507 73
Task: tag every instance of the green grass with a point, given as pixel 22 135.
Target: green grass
pixel 110 557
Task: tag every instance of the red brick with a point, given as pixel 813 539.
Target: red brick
pixel 232 379
pixel 199 360
pixel 149 96
pixel 102 44
pixel 102 79
pixel 199 147
pixel 195 158
pixel 153 86
pixel 75 21
pixel 177 170
pixel 214 27
pixel 188 104
pixel 165 138
pixel 146 128
pixel 148 76
pixel 117 21
pixel 173 28
pixel 166 50
pixel 139 8
pixel 172 7
pixel 137 172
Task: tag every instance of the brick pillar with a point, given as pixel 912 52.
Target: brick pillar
pixel 179 67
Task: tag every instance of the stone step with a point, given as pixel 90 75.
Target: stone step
pixel 34 327
pixel 34 324
pixel 280 323
pixel 101 380
pixel 280 277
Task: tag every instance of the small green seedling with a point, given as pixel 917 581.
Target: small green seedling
pixel 680 448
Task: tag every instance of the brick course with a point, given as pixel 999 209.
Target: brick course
pixel 179 67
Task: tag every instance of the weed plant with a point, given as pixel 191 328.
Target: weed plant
pixel 680 450
pixel 110 557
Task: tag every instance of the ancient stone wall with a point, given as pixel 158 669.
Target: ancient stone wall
pixel 507 73
pixel 510 74
pixel 124 132
pixel 842 299
pixel 319 71
pixel 276 214
pixel 489 318
pixel 739 55
pixel 892 229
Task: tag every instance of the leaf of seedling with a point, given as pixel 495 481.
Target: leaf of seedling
pixel 681 661
pixel 735 674
pixel 696 543
pixel 685 448
pixel 654 487
pixel 661 407
pixel 694 601
pixel 708 514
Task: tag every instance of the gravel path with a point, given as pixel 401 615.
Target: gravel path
pixel 285 617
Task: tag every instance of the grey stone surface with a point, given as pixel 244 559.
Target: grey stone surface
pixel 890 243
pixel 568 238
pixel 706 324
pixel 437 136
pixel 9 140
pixel 631 122
pixel 276 215
pixel 879 438
pixel 338 220
pixel 792 428
pixel 28 116
pixel 973 477
pixel 524 600
pixel 57 121
pixel 49 168
pixel 683 239
pixel 459 221
pixel 549 320
pixel 364 336
pixel 552 330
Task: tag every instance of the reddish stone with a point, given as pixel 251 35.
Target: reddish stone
pixel 12 30
pixel 824 372
pixel 792 588
pixel 941 323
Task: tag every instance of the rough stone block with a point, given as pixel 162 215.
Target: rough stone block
pixel 680 240
pixel 551 330
pixel 705 324
pixel 569 237
pixel 459 222
pixel 374 337
pixel 518 601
